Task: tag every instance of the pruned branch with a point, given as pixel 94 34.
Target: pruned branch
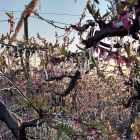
pixel 58 78
pixel 71 85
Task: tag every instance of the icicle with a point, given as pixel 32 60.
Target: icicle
pixel 116 39
pixel 130 42
pixel 39 5
pixel 94 5
pixel 8 62
pixel 119 1
pixel 50 131
pixel 98 56
pixel 59 69
pixel 84 71
pixel 45 132
pixel 29 130
pixel 89 51
pixel 93 53
pixel 43 55
pixel 89 65
pixel 122 42
pixel 133 9
pixel 96 70
pixel 84 55
pixel 85 64
pixel 112 42
pixel 127 72
pixel 114 9
pixel 53 132
pixel 38 53
pixel 54 70
pixel 46 73
pixel 37 124
pixel 78 62
pixel 81 69
pixel 64 67
pixel 137 47
pixel 35 132
pixel 72 63
pixel 40 133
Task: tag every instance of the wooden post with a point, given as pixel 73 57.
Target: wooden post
pixel 27 53
pixel 26 27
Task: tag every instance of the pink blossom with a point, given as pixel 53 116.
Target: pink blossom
pixel 123 19
pixel 119 60
pixel 99 104
pixel 137 135
pixel 50 44
pixel 102 53
pixel 124 14
pixel 127 89
pixel 98 43
pixel 109 56
pixel 9 20
pixel 67 29
pixel 126 24
pixel 77 124
pixel 2 46
pixel 113 25
pixel 15 49
pixel 7 48
pixel 49 70
pixel 96 50
pixel 124 59
pixel 89 130
pixel 119 51
pixel 128 63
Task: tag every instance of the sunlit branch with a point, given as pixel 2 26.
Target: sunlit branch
pixel 111 32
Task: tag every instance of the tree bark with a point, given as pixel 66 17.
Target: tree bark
pixel 7 117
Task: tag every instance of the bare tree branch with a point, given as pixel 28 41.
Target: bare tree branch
pixel 58 78
pixel 8 118
pixel 120 31
pixel 71 85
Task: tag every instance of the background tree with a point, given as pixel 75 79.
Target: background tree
pixel 89 94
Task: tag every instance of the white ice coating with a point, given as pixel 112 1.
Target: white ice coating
pixel 64 67
pixel 46 73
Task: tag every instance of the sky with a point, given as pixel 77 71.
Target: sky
pixel 48 6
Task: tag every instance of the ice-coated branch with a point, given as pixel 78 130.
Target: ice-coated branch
pixel 71 85
pixel 106 31
pixel 58 78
